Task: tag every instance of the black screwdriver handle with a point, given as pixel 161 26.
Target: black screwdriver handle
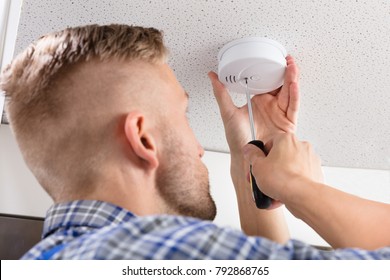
pixel 261 200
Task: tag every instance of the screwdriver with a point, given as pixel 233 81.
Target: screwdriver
pixel 261 200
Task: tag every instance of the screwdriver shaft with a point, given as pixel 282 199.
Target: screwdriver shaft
pixel 250 112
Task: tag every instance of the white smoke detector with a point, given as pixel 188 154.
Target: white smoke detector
pixel 261 61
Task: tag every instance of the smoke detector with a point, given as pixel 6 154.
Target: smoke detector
pixel 260 61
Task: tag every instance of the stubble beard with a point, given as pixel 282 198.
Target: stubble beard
pixel 183 183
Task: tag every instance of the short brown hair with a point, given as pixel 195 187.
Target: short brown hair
pixel 31 101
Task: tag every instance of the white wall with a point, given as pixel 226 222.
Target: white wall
pixel 4 11
pixel 20 193
pixel 11 30
pixel 8 29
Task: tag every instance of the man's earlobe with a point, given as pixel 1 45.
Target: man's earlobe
pixel 140 139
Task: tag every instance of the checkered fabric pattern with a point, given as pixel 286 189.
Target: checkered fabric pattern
pixel 99 230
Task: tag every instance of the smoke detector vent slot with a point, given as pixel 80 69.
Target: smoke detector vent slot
pixel 231 79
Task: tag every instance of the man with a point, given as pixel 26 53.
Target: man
pixel 101 121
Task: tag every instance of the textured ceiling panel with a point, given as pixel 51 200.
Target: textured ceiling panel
pixel 342 48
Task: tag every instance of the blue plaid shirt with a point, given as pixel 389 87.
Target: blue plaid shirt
pixel 99 230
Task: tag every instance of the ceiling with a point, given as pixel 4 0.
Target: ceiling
pixel 341 47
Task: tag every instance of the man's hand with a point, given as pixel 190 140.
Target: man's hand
pixel 273 113
pixel 291 173
pixel 288 160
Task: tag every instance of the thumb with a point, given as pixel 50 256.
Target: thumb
pixel 252 153
pixel 225 102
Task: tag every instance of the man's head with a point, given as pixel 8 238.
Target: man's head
pixel 98 114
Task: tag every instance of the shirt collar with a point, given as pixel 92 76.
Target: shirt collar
pixel 83 213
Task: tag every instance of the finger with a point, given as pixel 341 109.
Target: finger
pixel 225 102
pixel 291 76
pixel 293 104
pixel 252 153
pixel 293 70
pixel 283 99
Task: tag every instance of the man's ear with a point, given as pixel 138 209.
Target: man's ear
pixel 140 139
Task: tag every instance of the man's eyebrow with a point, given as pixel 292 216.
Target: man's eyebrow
pixel 187 95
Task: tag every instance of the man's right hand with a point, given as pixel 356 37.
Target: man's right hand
pixel 288 160
pixel 291 173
